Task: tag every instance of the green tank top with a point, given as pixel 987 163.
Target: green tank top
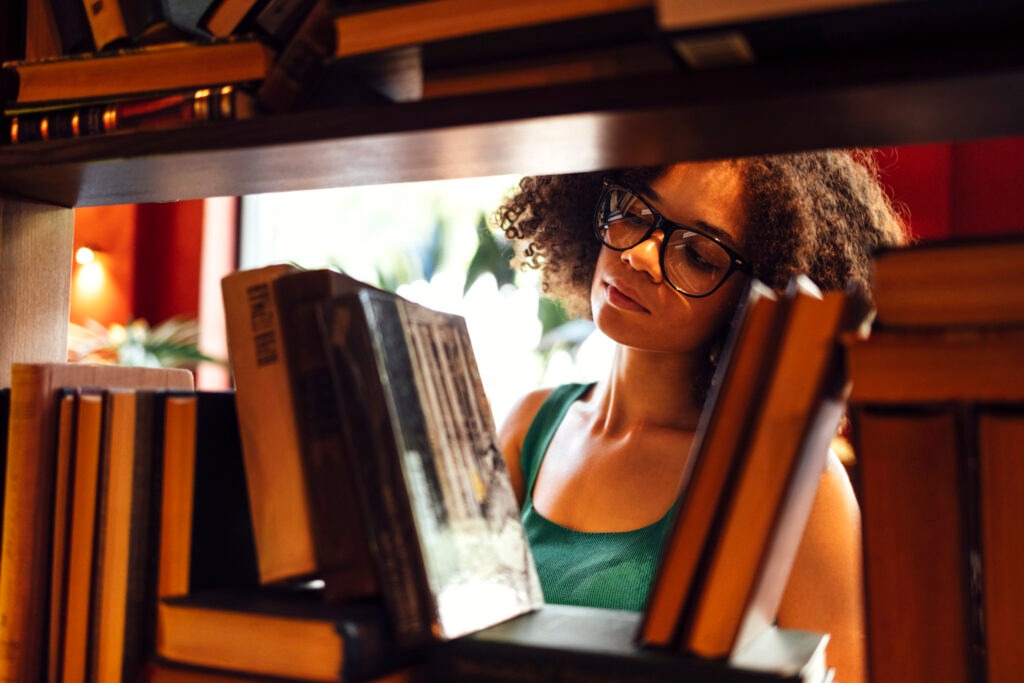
pixel 606 569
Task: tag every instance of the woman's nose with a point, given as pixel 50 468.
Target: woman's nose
pixel 645 256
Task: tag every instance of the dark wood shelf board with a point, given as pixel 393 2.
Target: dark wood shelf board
pixel 962 92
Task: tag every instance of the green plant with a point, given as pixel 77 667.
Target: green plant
pixel 173 343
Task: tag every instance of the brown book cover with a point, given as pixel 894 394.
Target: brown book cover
pixel 282 519
pixel 451 551
pixel 961 282
pixel 106 23
pixel 62 501
pixel 28 498
pixel 73 638
pixel 784 455
pixel 916 551
pixel 1001 502
pixel 905 366
pixel 138 70
pixel 289 633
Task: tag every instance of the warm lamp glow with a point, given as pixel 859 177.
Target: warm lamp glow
pixel 90 280
pixel 84 256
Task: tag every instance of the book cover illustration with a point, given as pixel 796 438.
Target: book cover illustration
pixel 435 483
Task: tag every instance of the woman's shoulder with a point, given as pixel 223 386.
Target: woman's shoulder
pixel 520 416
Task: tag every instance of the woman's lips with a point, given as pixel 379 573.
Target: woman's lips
pixel 620 299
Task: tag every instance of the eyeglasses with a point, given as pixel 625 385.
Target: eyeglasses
pixel 693 262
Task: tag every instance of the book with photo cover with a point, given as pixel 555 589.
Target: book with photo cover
pixel 451 551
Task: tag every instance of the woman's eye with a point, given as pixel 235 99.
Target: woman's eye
pixel 696 258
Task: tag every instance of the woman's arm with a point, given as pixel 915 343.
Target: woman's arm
pixel 825 589
pixel 512 433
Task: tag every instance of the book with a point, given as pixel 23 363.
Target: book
pixel 224 17
pixel 28 498
pixel 451 552
pixel 290 541
pixel 563 643
pixel 42 39
pixel 137 70
pixel 127 513
pixel 293 633
pixel 340 538
pixel 950 283
pixel 743 371
pixel 162 671
pixel 783 458
pixel 62 499
pixel 1001 489
pixel 71 646
pixel 348 51
pixel 193 107
pixel 917 584
pixel 936 365
pixel 106 23
pixel 378 28
pixel 207 537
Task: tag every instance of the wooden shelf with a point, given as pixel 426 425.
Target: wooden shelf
pixel 947 92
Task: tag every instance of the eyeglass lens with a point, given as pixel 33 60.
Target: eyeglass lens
pixel 693 263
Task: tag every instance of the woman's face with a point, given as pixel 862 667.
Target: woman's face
pixel 631 301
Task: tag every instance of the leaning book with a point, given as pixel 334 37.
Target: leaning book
pixel 451 552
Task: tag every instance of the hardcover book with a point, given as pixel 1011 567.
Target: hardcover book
pixel 289 633
pixel 452 554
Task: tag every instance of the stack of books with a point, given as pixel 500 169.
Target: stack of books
pixel 938 390
pixel 129 65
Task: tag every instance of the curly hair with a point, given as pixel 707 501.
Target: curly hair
pixel 818 213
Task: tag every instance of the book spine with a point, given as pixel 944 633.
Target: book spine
pixel 171 111
pixel 300 64
pixel 1001 507
pixel 61 533
pixel 348 332
pixel 915 542
pixel 281 515
pixel 341 542
pixel 107 23
pixel 28 507
pixel 177 495
pixel 88 444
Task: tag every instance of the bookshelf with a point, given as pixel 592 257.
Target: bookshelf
pixel 957 89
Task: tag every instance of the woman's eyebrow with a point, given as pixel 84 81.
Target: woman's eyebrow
pixel 715 231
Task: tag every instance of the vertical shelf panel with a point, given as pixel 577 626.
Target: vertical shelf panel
pixel 35 282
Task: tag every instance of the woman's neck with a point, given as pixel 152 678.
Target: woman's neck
pixel 647 389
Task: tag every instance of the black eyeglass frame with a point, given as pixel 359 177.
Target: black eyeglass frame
pixel 736 260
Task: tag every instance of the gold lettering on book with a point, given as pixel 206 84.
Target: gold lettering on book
pixel 261 319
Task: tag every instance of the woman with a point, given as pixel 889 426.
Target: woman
pixel 598 468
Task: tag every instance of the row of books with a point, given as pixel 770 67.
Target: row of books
pixel 151 528
pixel 291 53
pixel 937 413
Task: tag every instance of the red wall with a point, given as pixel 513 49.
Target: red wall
pixel 958 189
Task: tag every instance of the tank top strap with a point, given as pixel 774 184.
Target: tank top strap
pixel 542 430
